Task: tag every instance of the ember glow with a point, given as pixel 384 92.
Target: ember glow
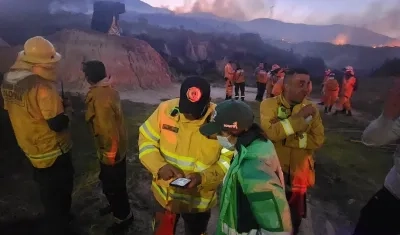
pixel 341 39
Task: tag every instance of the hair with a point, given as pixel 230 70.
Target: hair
pixel 289 74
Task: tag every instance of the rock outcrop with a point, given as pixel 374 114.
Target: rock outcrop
pixel 131 63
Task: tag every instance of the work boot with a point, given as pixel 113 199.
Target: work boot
pixel 237 97
pixel 321 103
pixel 105 210
pixel 349 113
pixel 330 108
pixel 242 98
pixel 120 227
pixel 326 110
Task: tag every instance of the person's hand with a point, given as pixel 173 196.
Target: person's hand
pixel 391 109
pixel 308 110
pixel 168 172
pixel 196 180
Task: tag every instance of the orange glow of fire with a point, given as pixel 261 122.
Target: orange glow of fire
pixel 341 39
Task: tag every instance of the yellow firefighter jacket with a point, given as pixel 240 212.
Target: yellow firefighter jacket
pixel 167 137
pixel 31 100
pixel 295 140
pixel 106 121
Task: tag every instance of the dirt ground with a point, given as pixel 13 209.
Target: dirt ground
pixel 348 173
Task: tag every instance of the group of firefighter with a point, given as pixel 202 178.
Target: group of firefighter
pixel 263 170
pixel 270 84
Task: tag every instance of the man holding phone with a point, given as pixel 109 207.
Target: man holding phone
pixel 187 167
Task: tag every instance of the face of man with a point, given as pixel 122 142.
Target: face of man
pixel 298 87
pixel 261 65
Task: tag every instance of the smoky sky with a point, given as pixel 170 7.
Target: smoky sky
pixel 381 16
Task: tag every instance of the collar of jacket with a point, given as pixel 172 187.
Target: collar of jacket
pixel 285 103
pixel 249 136
pixel 181 118
pixel 102 83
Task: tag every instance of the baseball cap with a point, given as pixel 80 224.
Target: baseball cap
pixel 229 115
pixel 194 95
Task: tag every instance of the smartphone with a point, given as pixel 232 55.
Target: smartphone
pixel 180 182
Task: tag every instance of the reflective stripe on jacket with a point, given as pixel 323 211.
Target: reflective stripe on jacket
pixel 31 100
pixel 295 140
pixel 253 197
pixel 106 120
pixel 167 137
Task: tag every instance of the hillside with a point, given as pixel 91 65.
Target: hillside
pixel 131 63
pixel 338 56
pixel 184 49
pixel 207 22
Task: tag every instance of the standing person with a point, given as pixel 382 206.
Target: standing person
pixel 39 117
pixel 278 76
pixel 379 215
pixel 106 121
pixel 349 85
pixel 331 92
pixel 239 83
pixel 262 79
pixel 272 79
pixel 229 73
pixel 171 147
pixel 253 195
pixel 294 125
pixel 326 76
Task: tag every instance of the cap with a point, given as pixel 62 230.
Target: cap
pixel 229 115
pixel 94 70
pixel 194 95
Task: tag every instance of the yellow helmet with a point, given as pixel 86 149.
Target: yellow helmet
pixel 38 50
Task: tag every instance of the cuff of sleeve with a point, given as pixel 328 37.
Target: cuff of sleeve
pixel 156 168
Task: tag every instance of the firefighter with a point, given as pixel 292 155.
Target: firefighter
pixel 40 119
pixel 294 125
pixel 254 171
pixel 331 92
pixel 106 121
pixel 171 147
pixel 326 76
pixel 380 214
pixel 240 84
pixel 262 79
pixel 272 79
pixel 277 87
pixel 349 85
pixel 229 73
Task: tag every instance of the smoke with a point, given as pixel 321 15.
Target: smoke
pixel 233 9
pixel 378 17
pixel 73 6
